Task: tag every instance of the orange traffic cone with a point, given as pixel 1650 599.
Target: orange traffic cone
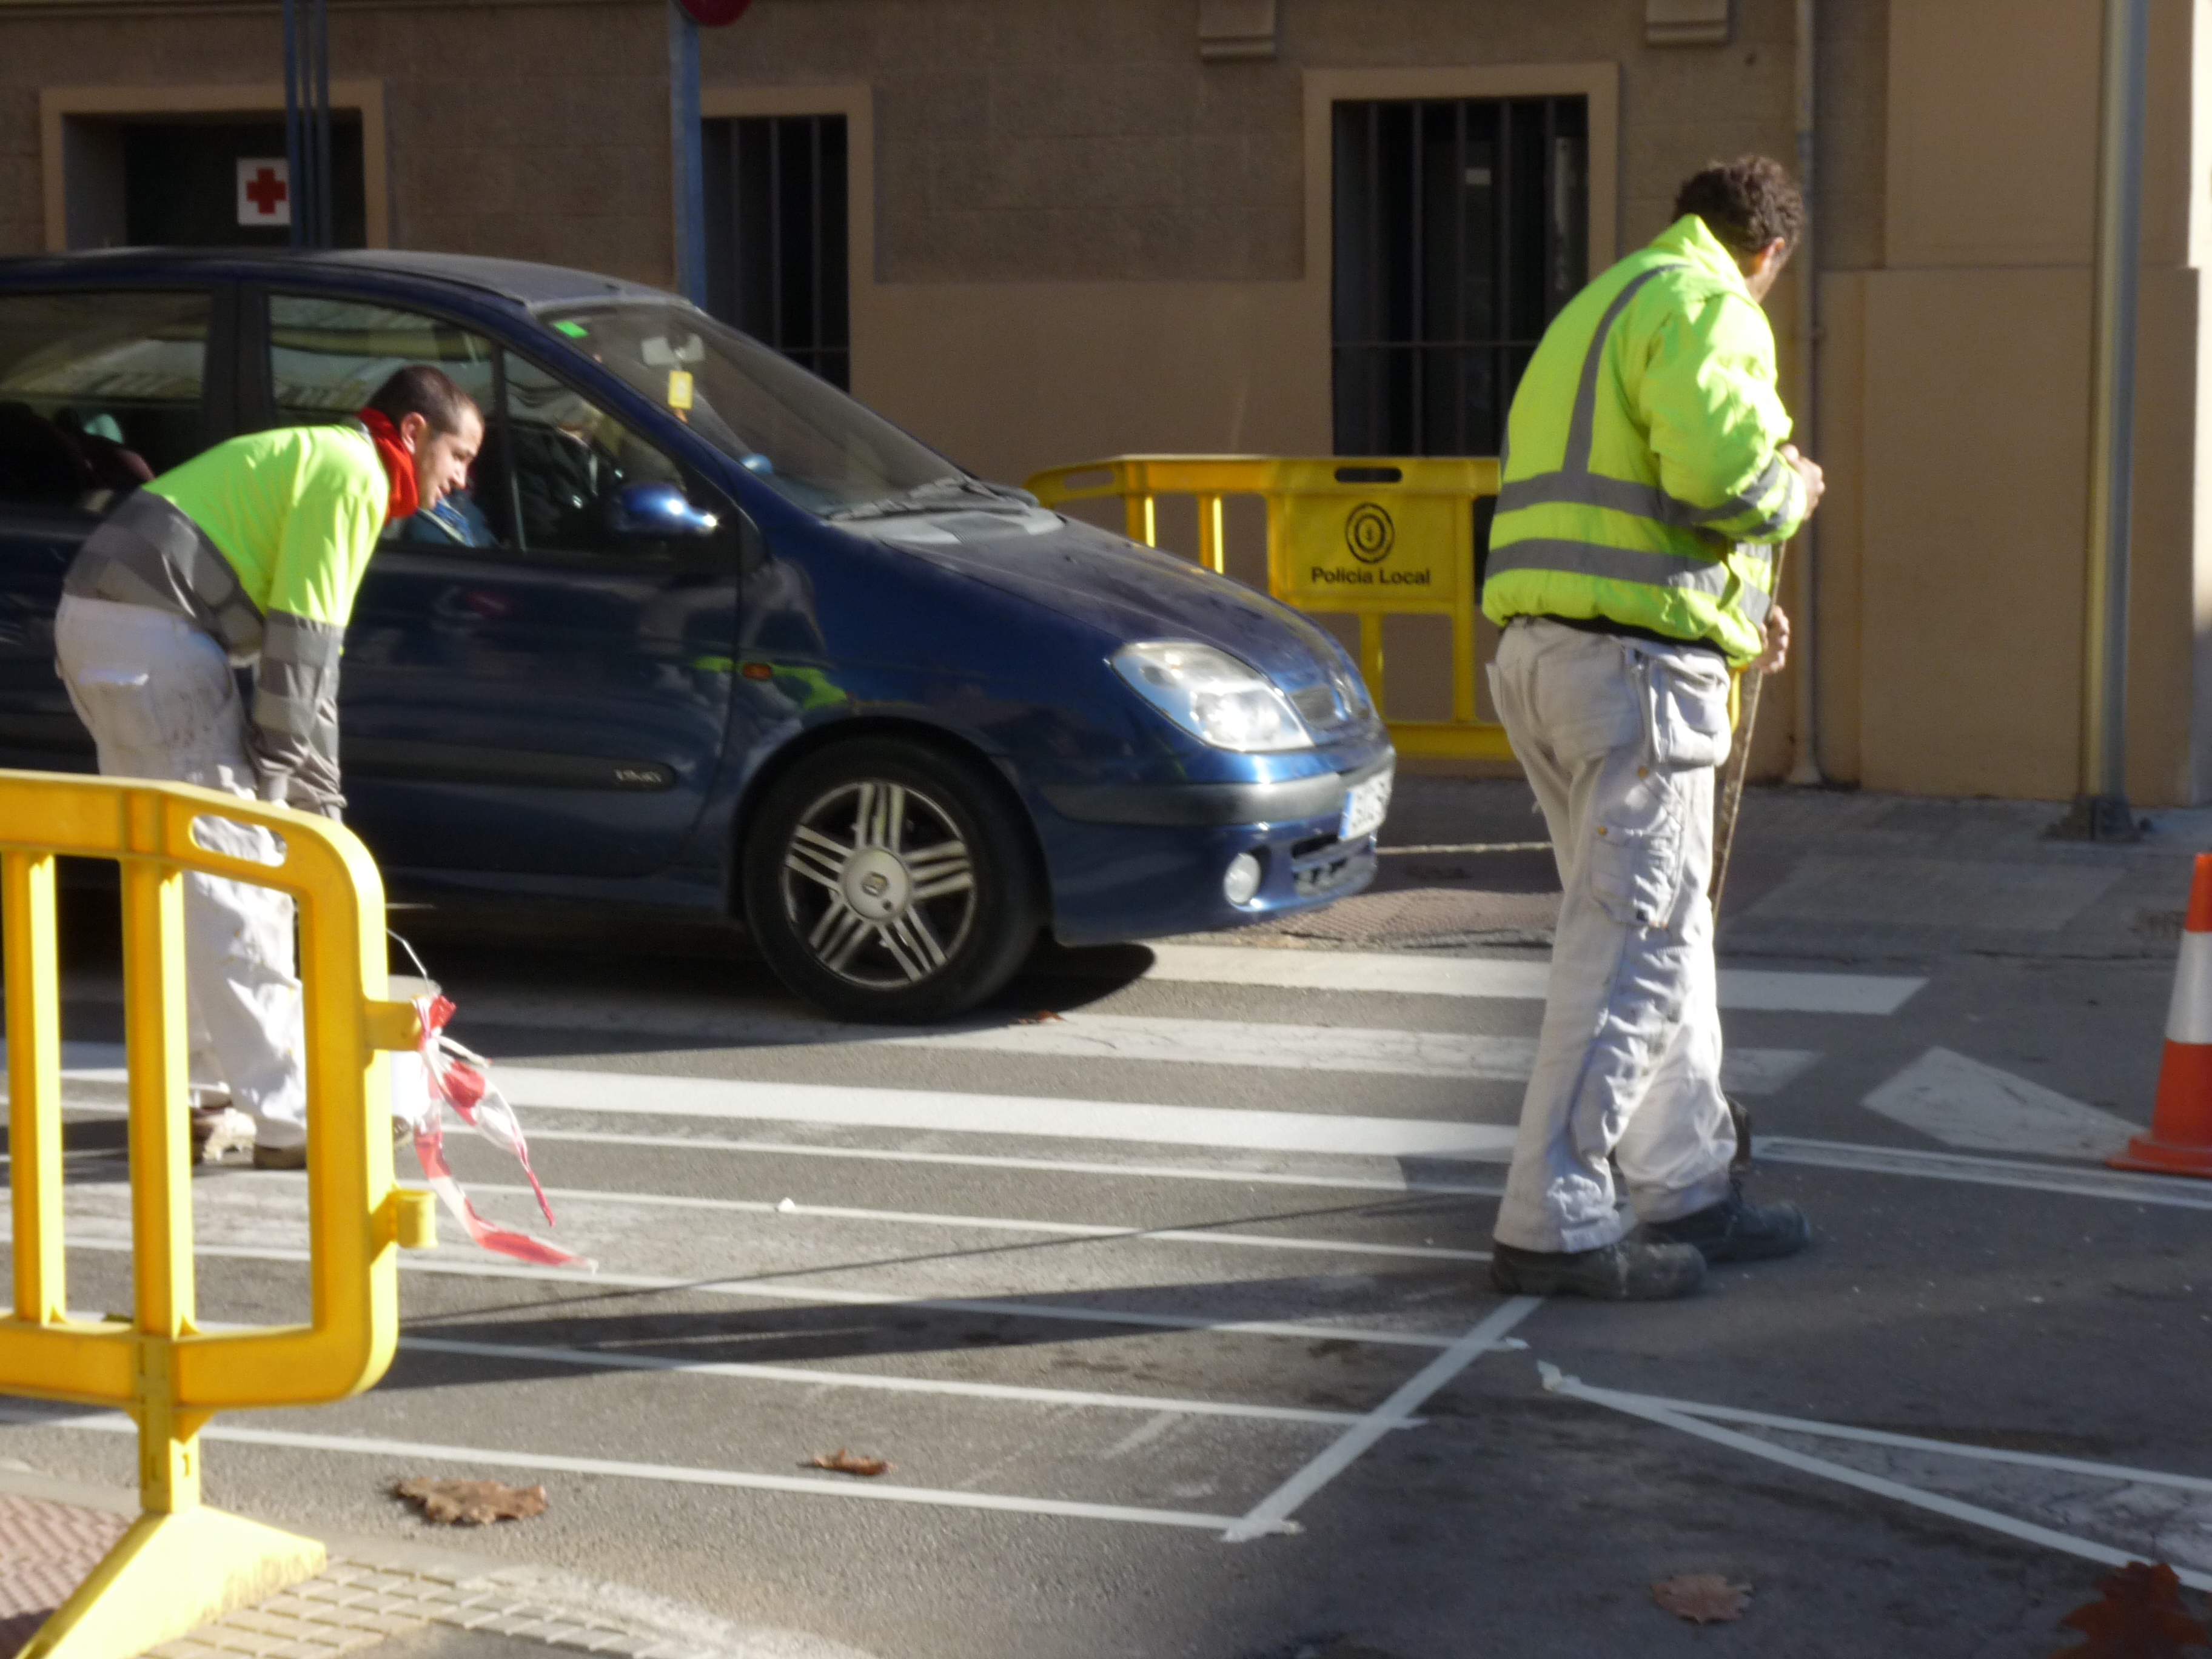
pixel 2180 1138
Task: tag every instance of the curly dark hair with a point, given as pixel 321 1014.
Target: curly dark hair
pixel 1746 203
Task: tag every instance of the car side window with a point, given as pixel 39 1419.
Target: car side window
pixel 328 355
pixel 576 470
pixel 98 392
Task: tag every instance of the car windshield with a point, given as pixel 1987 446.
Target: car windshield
pixel 794 431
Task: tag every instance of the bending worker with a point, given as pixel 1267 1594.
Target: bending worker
pixel 1647 485
pixel 249 554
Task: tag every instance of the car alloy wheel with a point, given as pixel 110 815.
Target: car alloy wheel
pixel 892 878
pixel 879 883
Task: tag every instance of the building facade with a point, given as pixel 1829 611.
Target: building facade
pixel 1041 231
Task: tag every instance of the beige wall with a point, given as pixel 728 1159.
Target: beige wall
pixel 1074 237
pixel 1955 419
pixel 538 131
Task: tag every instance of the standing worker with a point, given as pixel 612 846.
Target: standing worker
pixel 1646 486
pixel 249 555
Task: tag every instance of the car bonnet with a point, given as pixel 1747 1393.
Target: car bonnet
pixel 1123 589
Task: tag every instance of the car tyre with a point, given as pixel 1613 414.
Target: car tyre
pixel 887 880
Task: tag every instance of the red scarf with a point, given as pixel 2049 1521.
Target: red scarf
pixel 399 465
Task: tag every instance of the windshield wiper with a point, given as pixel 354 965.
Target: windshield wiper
pixel 960 494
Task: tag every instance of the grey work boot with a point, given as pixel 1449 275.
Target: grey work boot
pixel 1631 1270
pixel 1735 1231
pixel 280 1158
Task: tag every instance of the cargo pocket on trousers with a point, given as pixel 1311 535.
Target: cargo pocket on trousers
pixel 1689 715
pixel 1636 874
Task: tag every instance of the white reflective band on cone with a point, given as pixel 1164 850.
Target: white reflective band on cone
pixel 2189 1018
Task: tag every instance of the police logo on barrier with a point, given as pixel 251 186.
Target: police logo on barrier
pixel 1369 533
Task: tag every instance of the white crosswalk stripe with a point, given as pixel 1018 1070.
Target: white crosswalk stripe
pixel 1199 1186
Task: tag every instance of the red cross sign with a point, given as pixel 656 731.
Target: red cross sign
pixel 264 192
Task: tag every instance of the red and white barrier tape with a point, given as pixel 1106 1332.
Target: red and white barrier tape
pixel 460 1078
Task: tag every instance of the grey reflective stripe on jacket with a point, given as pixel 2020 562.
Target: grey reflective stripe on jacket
pixel 1646 500
pixel 292 732
pixel 148 552
pixel 1630 564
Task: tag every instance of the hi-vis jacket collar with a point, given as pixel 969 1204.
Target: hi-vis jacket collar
pixel 1687 238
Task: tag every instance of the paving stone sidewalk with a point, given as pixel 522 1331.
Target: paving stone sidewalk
pixel 384 1599
pixel 1824 873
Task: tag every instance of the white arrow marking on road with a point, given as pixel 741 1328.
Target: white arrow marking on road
pixel 1413 974
pixel 1963 1102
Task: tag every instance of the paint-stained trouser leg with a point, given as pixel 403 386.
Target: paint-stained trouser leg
pixel 160 699
pixel 1619 741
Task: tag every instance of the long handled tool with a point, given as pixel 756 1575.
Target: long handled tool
pixel 1726 809
pixel 1729 803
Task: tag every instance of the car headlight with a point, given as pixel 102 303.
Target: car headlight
pixel 1211 696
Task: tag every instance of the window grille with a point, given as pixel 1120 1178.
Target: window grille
pixel 775 235
pixel 1462 228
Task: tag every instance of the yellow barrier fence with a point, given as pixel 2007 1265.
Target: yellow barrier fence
pixel 182 1564
pixel 1375 537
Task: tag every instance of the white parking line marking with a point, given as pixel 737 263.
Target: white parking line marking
pixel 2179 1192
pixel 1947 1448
pixel 1962 1102
pixel 1274 1512
pixel 1653 1411
pixel 1412 974
pixel 624 1094
pixel 488 1457
pixel 597 1359
pixel 993 1224
pixel 1049 1165
pixel 768 1290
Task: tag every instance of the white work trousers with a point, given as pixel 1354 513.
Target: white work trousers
pixel 1621 738
pixel 162 703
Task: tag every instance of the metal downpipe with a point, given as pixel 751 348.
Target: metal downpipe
pixel 1805 768
pixel 2100 810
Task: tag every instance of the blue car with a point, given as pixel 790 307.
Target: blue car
pixel 705 632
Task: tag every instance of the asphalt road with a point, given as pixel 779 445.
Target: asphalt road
pixel 1170 1314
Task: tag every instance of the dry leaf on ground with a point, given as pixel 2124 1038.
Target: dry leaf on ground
pixel 1703 1598
pixel 846 1463
pixel 1037 1018
pixel 2139 1616
pixel 470 1503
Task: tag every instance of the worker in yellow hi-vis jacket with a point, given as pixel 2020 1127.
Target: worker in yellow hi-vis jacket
pixel 1648 482
pixel 249 555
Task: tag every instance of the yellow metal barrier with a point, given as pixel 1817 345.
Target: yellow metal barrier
pixel 1375 537
pixel 182 1564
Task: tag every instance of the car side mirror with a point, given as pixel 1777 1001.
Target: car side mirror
pixel 657 511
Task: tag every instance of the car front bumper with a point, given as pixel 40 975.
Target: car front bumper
pixel 1132 861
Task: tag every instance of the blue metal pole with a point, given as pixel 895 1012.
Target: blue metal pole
pixel 325 228
pixel 294 158
pixel 689 172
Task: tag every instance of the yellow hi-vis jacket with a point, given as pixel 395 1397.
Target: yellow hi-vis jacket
pixel 1642 473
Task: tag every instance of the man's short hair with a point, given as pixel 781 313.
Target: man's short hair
pixel 1746 203
pixel 419 389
